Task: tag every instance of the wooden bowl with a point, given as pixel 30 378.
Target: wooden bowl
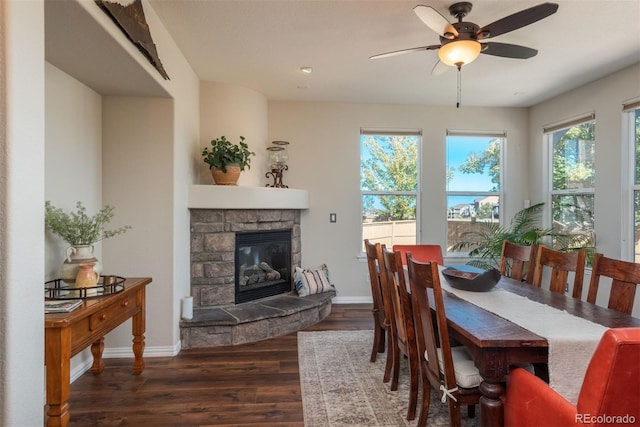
pixel 474 281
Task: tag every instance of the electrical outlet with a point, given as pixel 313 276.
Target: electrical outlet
pixel 332 217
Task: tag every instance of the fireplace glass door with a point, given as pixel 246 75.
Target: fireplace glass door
pixel 262 264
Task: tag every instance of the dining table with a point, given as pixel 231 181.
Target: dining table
pixel 497 343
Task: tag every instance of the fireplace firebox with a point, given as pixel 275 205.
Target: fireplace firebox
pixel 262 264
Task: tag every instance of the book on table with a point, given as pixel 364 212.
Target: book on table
pixel 61 306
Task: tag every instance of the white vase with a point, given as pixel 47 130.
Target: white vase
pixel 76 255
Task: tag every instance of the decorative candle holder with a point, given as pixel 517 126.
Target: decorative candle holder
pixel 278 163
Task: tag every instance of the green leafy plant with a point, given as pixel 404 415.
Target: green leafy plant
pixel 78 228
pixel 485 242
pixel 224 153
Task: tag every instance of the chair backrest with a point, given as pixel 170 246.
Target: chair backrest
pixel 610 384
pixel 422 253
pixel 625 276
pixel 375 264
pixel 395 282
pixel 560 263
pixel 517 261
pixel 430 336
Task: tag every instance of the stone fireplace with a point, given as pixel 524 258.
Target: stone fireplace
pixel 219 216
pixel 217 261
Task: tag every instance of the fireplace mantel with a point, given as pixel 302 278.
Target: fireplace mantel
pixel 239 197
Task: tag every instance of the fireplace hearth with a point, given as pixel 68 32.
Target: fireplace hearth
pixel 218 216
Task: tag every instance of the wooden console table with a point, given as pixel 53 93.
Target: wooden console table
pixel 67 334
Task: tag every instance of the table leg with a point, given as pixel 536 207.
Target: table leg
pixel 138 329
pixel 491 408
pixel 493 367
pixel 57 358
pixel 96 350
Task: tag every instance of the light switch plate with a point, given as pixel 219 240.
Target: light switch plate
pixel 332 217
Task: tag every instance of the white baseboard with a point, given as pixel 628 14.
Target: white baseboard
pixel 125 353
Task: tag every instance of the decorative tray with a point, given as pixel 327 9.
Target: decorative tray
pixel 59 289
pixel 474 280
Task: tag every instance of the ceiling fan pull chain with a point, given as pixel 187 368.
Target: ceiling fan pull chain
pixel 459 85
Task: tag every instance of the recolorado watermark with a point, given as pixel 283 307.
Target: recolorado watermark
pixel 605 419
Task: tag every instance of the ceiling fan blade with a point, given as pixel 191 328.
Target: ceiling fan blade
pixel 439 68
pixel 507 50
pixel 434 20
pixel 403 51
pixel 517 20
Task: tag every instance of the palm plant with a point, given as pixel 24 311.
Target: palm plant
pixel 485 242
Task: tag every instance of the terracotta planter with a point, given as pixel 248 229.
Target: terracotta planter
pixel 226 178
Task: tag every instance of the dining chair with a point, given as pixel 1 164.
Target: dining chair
pixel 517 261
pixel 609 390
pixel 561 264
pixel 625 277
pixel 382 325
pixel 402 326
pixel 449 370
pixel 424 253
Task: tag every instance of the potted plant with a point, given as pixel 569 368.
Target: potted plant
pixel 226 160
pixel 485 243
pixel 81 231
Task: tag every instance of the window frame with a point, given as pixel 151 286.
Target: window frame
pixel 502 136
pixel 417 193
pixel 548 132
pixel 629 111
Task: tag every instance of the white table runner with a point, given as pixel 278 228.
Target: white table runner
pixel 572 340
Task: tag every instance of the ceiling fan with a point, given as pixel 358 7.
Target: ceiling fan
pixel 459 42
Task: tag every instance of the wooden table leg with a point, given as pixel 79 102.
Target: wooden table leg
pixel 493 367
pixel 57 358
pixel 491 408
pixel 138 329
pixel 96 350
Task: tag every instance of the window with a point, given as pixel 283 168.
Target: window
pixel 572 179
pixel 389 185
pixel 474 183
pixel 632 116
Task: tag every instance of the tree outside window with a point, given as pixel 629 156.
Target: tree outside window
pixel 573 179
pixel 389 184
pixel 473 184
pixel 635 117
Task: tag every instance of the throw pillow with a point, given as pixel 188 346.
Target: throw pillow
pixel 309 282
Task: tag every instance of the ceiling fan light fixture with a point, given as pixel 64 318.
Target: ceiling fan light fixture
pixel 459 52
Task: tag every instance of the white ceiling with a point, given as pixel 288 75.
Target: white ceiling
pixel 261 44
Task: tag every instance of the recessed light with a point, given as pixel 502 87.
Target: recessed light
pixel 306 70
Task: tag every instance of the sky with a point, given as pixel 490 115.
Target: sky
pixel 458 149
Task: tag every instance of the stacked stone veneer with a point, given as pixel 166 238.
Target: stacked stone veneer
pixel 213 242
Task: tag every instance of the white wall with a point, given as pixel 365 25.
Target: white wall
pixel 234 111
pixel 73 154
pixel 22 166
pixel 138 180
pixel 324 158
pixel 604 98
pixel 73 162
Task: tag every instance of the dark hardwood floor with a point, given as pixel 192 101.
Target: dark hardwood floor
pixel 253 384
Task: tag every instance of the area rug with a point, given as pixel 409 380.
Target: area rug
pixel 340 387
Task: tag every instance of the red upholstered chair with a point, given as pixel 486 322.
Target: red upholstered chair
pixel 422 253
pixel 611 389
